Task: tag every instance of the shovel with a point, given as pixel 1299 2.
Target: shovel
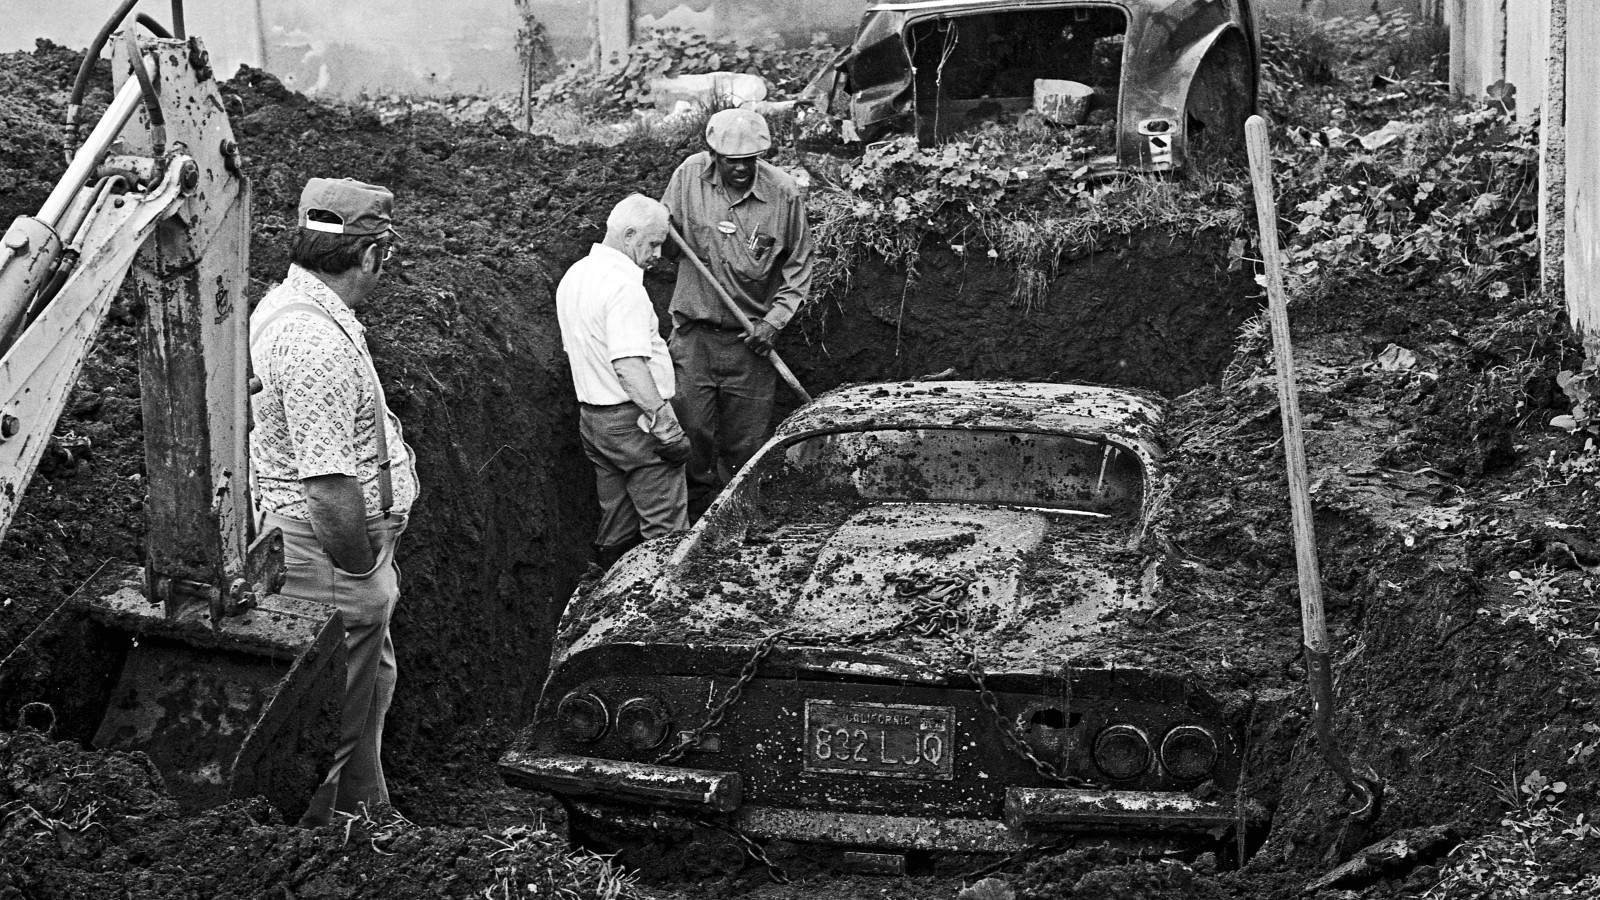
pixel 1367 788
pixel 733 309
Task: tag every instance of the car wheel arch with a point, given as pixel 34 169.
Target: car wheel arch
pixel 1218 62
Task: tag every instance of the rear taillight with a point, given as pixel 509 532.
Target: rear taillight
pixel 1189 752
pixel 643 722
pixel 1122 752
pixel 582 717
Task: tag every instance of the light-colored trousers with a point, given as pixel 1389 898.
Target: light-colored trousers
pixel 641 495
pixel 366 603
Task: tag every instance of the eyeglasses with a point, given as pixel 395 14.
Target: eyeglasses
pixel 385 252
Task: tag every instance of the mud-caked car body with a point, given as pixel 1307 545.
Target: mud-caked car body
pixel 1170 77
pixel 904 626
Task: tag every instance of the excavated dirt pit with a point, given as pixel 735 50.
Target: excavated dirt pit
pixel 1437 683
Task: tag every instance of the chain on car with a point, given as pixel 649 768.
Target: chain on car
pixel 938 609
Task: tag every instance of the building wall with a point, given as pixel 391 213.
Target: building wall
pixel 342 49
pixel 1527 52
pixel 412 46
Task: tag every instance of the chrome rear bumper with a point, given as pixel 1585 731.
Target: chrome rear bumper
pixel 587 776
pixel 1065 809
pixel 1030 813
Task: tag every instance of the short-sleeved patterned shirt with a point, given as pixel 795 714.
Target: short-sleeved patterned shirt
pixel 316 410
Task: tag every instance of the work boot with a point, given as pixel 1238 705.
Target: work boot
pixel 606 556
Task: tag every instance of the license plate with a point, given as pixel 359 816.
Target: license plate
pixel 891 740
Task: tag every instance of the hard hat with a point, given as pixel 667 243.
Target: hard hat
pixel 346 206
pixel 738 132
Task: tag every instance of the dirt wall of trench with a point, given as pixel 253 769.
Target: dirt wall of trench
pixel 1153 309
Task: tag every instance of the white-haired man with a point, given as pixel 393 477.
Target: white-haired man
pixel 623 376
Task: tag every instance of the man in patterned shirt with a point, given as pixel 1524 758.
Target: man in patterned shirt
pixel 332 469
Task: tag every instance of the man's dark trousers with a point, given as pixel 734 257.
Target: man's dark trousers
pixel 724 403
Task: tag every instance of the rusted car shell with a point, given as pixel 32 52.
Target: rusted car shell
pixel 1166 42
pixel 641 626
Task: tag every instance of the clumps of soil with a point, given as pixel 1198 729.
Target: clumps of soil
pixel 77 823
pixel 34 88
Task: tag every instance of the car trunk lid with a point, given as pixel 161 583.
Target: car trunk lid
pixel 1034 576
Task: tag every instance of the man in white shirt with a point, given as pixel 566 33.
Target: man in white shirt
pixel 622 373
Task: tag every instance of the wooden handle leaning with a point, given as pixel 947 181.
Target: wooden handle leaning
pixel 1313 622
pixel 738 316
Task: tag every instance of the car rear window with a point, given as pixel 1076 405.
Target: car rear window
pixel 971 68
pixel 942 465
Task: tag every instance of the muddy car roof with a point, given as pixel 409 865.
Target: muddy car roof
pixel 1120 415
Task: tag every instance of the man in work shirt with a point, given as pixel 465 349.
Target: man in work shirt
pixel 623 377
pixel 746 219
pixel 331 467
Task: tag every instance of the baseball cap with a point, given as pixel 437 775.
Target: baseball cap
pixel 346 206
pixel 738 132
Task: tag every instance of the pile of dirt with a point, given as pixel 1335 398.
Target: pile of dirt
pixel 79 823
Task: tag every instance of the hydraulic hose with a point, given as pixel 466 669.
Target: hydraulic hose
pixel 80 85
pixel 179 30
pixel 151 25
pixel 152 103
pixel 92 152
pixel 71 224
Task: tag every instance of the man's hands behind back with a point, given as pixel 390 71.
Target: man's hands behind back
pixel 664 427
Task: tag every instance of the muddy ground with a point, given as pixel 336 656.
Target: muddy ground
pixel 1434 482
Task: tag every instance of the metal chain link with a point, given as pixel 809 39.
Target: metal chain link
pixel 1009 732
pixel 747 674
pixel 938 608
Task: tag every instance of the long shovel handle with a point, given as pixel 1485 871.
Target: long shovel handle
pixel 1313 622
pixel 738 316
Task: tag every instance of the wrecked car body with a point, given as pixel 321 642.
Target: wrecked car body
pixel 900 629
pixel 1168 79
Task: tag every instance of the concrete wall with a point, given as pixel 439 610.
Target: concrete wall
pixel 1583 164
pixel 1527 52
pixel 1550 49
pixel 1477 44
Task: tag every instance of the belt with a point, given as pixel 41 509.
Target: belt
pixel 710 326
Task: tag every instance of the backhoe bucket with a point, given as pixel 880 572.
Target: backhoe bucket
pixel 248 708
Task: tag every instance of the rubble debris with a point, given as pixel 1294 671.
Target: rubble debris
pixel 1392 857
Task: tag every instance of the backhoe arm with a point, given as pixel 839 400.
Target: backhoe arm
pixel 156 189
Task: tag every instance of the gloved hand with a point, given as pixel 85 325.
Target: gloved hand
pixel 676 452
pixel 760 338
pixel 664 425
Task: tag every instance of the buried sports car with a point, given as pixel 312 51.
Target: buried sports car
pixel 902 628
pixel 1164 80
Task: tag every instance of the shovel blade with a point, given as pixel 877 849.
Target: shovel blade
pixel 249 708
